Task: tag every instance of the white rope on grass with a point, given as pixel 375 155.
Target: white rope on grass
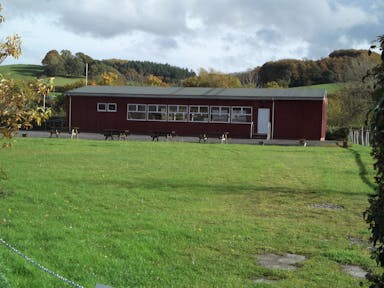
pixel 41 267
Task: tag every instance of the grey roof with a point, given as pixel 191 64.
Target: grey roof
pixel 200 93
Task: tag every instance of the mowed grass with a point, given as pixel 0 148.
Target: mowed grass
pixel 166 214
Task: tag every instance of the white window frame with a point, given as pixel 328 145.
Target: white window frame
pixel 204 115
pixel 112 110
pixel 106 105
pixel 173 115
pixel 163 114
pixel 243 113
pixel 100 109
pixel 220 113
pixel 137 111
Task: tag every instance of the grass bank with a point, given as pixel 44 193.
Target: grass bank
pixel 144 214
pixel 30 72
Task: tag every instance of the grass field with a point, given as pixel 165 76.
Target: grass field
pixel 22 71
pixel 330 87
pixel 29 72
pixel 144 214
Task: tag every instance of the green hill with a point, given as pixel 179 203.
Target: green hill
pixel 30 72
pixel 22 71
pixel 330 87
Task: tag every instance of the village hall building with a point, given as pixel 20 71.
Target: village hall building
pixel 293 113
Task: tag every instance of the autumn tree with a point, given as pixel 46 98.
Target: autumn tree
pixel 20 101
pixel 339 66
pixel 20 105
pixel 212 79
pixel 11 46
pixel 110 78
pixel 152 80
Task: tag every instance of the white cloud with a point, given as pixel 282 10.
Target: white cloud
pixel 227 35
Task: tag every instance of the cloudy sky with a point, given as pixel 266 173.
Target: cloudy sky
pixel 224 35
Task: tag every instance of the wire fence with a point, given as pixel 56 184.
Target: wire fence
pixel 361 136
pixel 46 270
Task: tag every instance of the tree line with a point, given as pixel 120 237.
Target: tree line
pixel 66 64
pixel 339 66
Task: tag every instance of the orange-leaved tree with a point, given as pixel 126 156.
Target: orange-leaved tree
pixel 20 101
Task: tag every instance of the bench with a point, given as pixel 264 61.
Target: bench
pixel 121 134
pixel 166 134
pixel 55 132
pixel 223 137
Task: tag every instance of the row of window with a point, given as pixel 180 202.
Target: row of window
pixel 106 107
pixel 182 113
pixel 192 113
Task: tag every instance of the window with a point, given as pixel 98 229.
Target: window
pixel 199 113
pixel 157 112
pixel 178 113
pixel 106 107
pixel 112 107
pixel 101 107
pixel 220 114
pixel 137 112
pixel 241 115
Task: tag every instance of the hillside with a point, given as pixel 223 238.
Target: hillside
pixel 339 66
pixel 30 72
pixel 22 71
pixel 122 71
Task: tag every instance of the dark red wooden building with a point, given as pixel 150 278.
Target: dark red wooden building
pixel 243 112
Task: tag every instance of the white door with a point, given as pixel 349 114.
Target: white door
pixel 262 121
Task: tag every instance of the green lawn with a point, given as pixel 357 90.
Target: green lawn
pixel 145 214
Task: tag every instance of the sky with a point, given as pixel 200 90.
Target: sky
pixel 223 35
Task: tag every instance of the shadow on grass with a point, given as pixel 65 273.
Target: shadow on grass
pixel 170 184
pixel 30 70
pixel 363 173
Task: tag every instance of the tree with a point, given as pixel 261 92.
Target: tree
pixel 374 215
pixel 19 101
pixel 53 64
pixel 11 46
pixel 20 105
pixel 153 80
pixel 110 78
pixel 212 79
pixel 272 84
pixel 349 106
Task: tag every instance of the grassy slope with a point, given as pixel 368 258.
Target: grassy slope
pixel 132 214
pixel 22 71
pixel 26 71
pixel 331 87
pixel 29 72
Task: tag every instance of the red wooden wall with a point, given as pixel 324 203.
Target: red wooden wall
pixel 293 119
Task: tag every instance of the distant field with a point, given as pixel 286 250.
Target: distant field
pixel 331 87
pixel 29 72
pixel 21 71
pixel 166 214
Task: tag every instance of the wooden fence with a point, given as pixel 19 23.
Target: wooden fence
pixel 361 136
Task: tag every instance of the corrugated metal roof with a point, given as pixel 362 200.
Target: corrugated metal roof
pixel 200 93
